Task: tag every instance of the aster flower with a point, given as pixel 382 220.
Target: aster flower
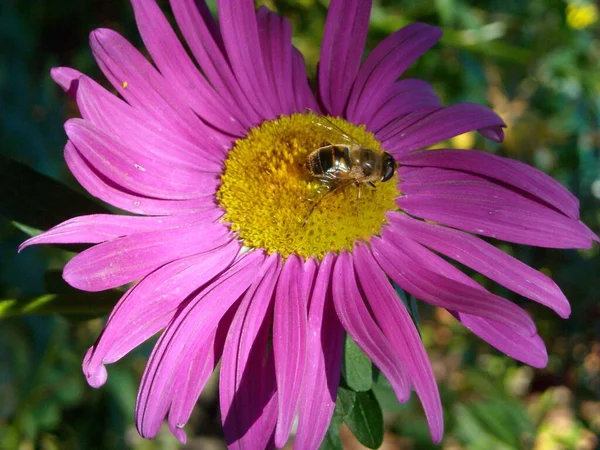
pixel 209 158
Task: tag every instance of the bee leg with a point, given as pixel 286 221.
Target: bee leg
pixel 357 196
pixel 371 184
pixel 331 188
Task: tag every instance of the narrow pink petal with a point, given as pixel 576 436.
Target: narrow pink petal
pixel 204 39
pixel 180 72
pixel 97 228
pixel 485 259
pixel 399 328
pixel 129 258
pixel 289 345
pixel 509 171
pixel 141 133
pixel 150 305
pixel 275 33
pixel 325 343
pixel 304 97
pixel 66 78
pixel 480 205
pixel 190 329
pixel 132 170
pixel 401 98
pixel 144 87
pixel 194 373
pixel 116 195
pixel 398 259
pixel 432 128
pixel 240 36
pixel 362 328
pixel 386 63
pixel 247 380
pixel 527 348
pixel 341 51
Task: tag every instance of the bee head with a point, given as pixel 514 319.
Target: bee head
pixel 389 166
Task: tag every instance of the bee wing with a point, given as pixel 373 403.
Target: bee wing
pixel 324 122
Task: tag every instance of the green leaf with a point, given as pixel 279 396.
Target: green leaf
pixel 76 302
pixel 357 368
pixel 365 420
pixel 36 202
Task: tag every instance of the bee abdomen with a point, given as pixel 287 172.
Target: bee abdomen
pixel 329 160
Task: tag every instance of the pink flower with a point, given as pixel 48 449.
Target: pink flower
pixel 211 163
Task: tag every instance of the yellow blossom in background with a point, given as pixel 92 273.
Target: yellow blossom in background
pixel 581 15
pixel 465 140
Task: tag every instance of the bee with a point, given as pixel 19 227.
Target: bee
pixel 337 166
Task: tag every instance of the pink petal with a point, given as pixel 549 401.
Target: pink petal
pixel 275 33
pixel 67 79
pixel 240 36
pixel 509 171
pixel 341 51
pixel 485 259
pixel 135 172
pixel 325 343
pixel 479 205
pixel 305 99
pixel 359 324
pixel 247 383
pixel 405 135
pixel 180 72
pixel 204 39
pixel 401 98
pixel 97 228
pixel 399 328
pixel 189 330
pixel 289 345
pixel 529 349
pixel 150 305
pixel 385 64
pixel 128 258
pixel 106 190
pixel 143 87
pixel 141 133
pixel 400 261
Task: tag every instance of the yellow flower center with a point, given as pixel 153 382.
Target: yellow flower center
pixel 273 201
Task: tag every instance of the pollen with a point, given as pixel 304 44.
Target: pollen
pixel 272 201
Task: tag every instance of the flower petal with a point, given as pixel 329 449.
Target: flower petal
pixel 485 259
pixel 526 348
pixel 141 133
pixel 305 99
pixel 106 190
pixel 143 87
pixel 150 305
pixel 204 39
pixel 386 63
pixel 399 328
pixel 133 171
pixel 401 98
pixel 407 134
pixel 180 72
pixel 247 383
pixel 341 51
pixel 66 78
pixel 128 258
pixel 289 345
pixel 97 228
pixel 240 36
pixel 509 171
pixel 275 33
pixel 190 329
pixel 359 324
pixel 398 258
pixel 325 343
pixel 479 205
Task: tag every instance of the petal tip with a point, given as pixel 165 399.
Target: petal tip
pixel 96 375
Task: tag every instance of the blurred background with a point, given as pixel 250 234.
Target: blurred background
pixel 536 63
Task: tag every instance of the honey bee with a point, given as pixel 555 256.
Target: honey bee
pixel 337 166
